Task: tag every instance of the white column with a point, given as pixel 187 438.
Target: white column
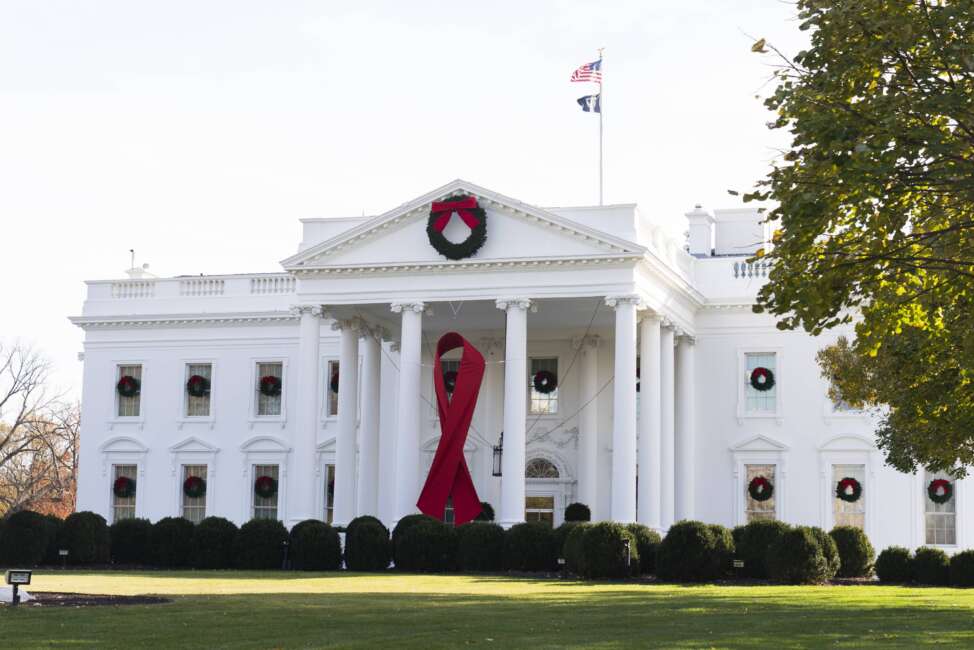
pixel 588 422
pixel 368 447
pixel 407 439
pixel 684 446
pixel 301 490
pixel 347 422
pixel 650 422
pixel 666 493
pixel 624 410
pixel 515 410
pixel 388 430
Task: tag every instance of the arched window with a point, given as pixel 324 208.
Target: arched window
pixel 540 468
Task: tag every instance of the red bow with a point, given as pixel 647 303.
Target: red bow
pixel 445 210
pixel 449 475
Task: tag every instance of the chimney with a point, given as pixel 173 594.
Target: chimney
pixel 701 235
pixel 739 231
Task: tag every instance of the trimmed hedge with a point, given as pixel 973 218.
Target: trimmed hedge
pixel 578 512
pixel 213 543
pixel 962 569
pixel 367 545
pixel 572 548
pixel 931 566
pixel 798 557
pixel 856 554
pixel 531 547
pixel 647 542
pixel 895 564
pixel 428 545
pixel 723 548
pixel 171 542
pixel 25 538
pixel 315 546
pixel 561 534
pixel 689 552
pixel 85 536
pixel 610 551
pixel 402 526
pixel 829 550
pixel 753 543
pixel 486 512
pixel 480 547
pixel 130 541
pixel 259 544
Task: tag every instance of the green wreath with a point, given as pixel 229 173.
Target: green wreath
pixel 446 248
pixel 760 488
pixel 940 490
pixel 848 489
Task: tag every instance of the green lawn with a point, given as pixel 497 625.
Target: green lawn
pixel 270 610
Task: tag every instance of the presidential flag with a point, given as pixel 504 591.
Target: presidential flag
pixel 591 103
pixel 589 72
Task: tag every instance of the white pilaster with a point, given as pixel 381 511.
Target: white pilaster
pixel 347 422
pixel 302 491
pixel 388 431
pixel 667 504
pixel 624 410
pixel 588 422
pixel 515 410
pixel 684 444
pixel 650 422
pixel 407 443
pixel 368 448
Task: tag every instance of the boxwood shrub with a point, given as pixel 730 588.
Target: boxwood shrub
pixel 486 512
pixel 578 512
pixel 829 550
pixel 895 565
pixel 259 544
pixel 480 547
pixel 367 545
pixel 86 538
pixel 55 524
pixel 798 557
pixel 531 547
pixel 856 554
pixel 315 546
pixel 610 551
pixel 572 548
pixel 130 541
pixel 962 569
pixel 753 543
pixel 213 543
pixel 723 548
pixel 171 542
pixel 25 537
pixel 689 552
pixel 931 566
pixel 561 534
pixel 647 542
pixel 402 526
pixel 427 545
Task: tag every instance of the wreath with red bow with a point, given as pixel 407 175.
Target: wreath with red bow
pixel 450 380
pixel 198 386
pixel 475 217
pixel 762 379
pixel 940 490
pixel 128 386
pixel 270 386
pixel 333 384
pixel 545 382
pixel 194 487
pixel 265 487
pixel 760 488
pixel 124 487
pixel 848 489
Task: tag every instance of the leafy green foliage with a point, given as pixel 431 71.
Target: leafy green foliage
pixel 931 566
pixel 753 543
pixel 610 551
pixel 402 526
pixel 86 538
pixel 572 548
pixel 531 547
pixel 130 541
pixel 578 512
pixel 213 543
pixel 647 543
pixel 315 546
pixel 962 569
pixel 480 546
pixel 260 544
pixel 797 557
pixel 367 545
pixel 24 538
pixel 427 545
pixel 856 553
pixel 171 542
pixel 895 565
pixel 689 552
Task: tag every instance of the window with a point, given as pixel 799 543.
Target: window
pixel 198 405
pixel 265 507
pixel 845 513
pixel 194 508
pixel 123 507
pixel 941 518
pixel 269 404
pixel 760 401
pixel 332 384
pixel 540 468
pixel 754 509
pixel 449 514
pixel 540 509
pixel 129 406
pixel 329 493
pixel 543 403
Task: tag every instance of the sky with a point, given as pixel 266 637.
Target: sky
pixel 199 133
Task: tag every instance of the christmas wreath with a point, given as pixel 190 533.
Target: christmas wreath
pixel 194 487
pixel 762 379
pixel 270 386
pixel 450 380
pixel 128 386
pixel 124 487
pixel 265 487
pixel 333 385
pixel 198 386
pixel 940 490
pixel 475 217
pixel 760 488
pixel 848 489
pixel 545 382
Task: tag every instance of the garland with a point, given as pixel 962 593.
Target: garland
pixel 198 386
pixel 475 217
pixel 333 384
pixel 760 488
pixel 848 489
pixel 265 487
pixel 128 386
pixel 270 386
pixel 124 487
pixel 762 379
pixel 545 382
pixel 450 380
pixel 940 490
pixel 194 487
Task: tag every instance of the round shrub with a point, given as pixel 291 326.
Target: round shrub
pixel 259 544
pixel 55 524
pixel 856 554
pixel 962 569
pixel 688 552
pixel 894 564
pixel 25 538
pixel 797 557
pixel 486 512
pixel 86 538
pixel 578 512
pixel 561 534
pixel 367 546
pixel 753 543
pixel 931 566
pixel 402 526
pixel 480 547
pixel 610 551
pixel 723 548
pixel 213 543
pixel 130 541
pixel 829 550
pixel 428 545
pixel 572 548
pixel 171 542
pixel 531 547
pixel 315 546
pixel 647 542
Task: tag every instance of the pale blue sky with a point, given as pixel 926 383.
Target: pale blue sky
pixel 200 132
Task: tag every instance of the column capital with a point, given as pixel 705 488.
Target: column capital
pixel 591 341
pixel 415 306
pixel 648 315
pixel 355 324
pixel 624 299
pixel 301 310
pixel 668 324
pixel 506 304
pixel 683 337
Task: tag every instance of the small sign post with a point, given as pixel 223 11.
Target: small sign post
pixel 63 554
pixel 15 578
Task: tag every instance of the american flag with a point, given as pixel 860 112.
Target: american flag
pixel 589 72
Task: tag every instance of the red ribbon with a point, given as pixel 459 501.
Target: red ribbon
pixel 445 209
pixel 449 475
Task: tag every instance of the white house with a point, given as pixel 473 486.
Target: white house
pixel 727 406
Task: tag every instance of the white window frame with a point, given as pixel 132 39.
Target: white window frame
pixel 122 450
pixel 128 419
pixel 960 537
pixel 192 451
pixel 742 378
pixel 326 456
pixel 847 449
pixel 254 389
pixel 264 450
pixel 759 450
pixel 184 400
pixel 529 387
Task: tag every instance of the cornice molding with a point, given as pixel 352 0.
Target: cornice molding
pixel 149 320
pixel 468 265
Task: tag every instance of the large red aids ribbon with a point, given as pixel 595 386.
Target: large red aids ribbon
pixel 449 475
pixel 445 209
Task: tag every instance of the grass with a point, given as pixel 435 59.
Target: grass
pixel 295 610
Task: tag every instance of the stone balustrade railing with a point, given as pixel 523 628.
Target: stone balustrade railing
pixel 193 287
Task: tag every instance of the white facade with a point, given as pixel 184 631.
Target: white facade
pixel 587 292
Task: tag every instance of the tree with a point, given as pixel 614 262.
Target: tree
pixel 38 437
pixel 874 210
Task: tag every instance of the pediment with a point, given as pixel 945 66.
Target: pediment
pixel 759 443
pixel 124 444
pixel 192 444
pixel 848 442
pixel 515 231
pixel 327 445
pixel 264 444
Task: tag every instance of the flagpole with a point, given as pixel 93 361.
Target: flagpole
pixel 601 110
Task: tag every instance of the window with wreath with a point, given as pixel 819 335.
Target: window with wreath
pixel 265 489
pixel 329 493
pixel 194 492
pixel 849 495
pixel 128 388
pixel 760 382
pixel 543 386
pixel 940 518
pixel 123 491
pixel 198 378
pixel 759 492
pixel 333 380
pixel 270 385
